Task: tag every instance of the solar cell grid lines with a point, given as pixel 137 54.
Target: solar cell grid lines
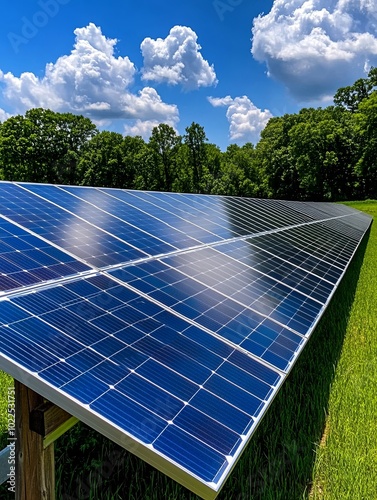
pixel 26 260
pixel 166 321
pixel 319 211
pixel 97 213
pixel 349 227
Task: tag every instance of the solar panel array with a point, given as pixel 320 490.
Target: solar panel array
pixel 166 321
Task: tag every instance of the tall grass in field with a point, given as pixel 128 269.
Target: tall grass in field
pixel 317 441
pixel 346 460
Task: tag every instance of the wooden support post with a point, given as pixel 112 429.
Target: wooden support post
pixel 35 467
pixel 50 422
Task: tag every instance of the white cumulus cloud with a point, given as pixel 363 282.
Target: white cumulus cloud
pixel 316 46
pixel 177 60
pixel 246 121
pixel 141 127
pixel 91 80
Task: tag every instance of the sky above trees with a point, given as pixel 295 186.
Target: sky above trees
pixel 229 65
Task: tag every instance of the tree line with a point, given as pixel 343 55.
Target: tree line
pixel 317 154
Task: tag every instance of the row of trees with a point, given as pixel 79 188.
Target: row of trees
pixel 324 154
pixel 44 146
pixel 317 154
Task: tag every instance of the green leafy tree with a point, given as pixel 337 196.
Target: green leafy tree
pixel 135 157
pixel 324 149
pixel 211 170
pixel 43 146
pixel 366 167
pixel 164 143
pixel 273 159
pixel 351 96
pixel 17 158
pixel 183 178
pixel 245 172
pixel 195 140
pixel 111 160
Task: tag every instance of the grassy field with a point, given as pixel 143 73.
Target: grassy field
pixel 346 461
pixel 317 441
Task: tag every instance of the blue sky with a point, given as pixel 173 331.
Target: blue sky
pixel 228 65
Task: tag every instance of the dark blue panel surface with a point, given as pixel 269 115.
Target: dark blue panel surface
pixel 223 412
pixel 27 260
pixel 236 396
pixel 59 373
pixel 276 267
pixel 296 253
pixel 198 457
pixel 85 388
pixel 319 242
pixel 140 359
pixel 232 308
pixel 107 214
pixel 181 224
pixel 207 430
pixel 243 379
pixel 9 313
pixel 163 229
pixel 129 416
pixel 25 352
pixel 167 379
pixel 350 227
pixel 45 337
pixel 222 216
pixel 150 396
pixel 67 230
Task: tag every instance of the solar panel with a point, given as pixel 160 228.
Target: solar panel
pixel 166 321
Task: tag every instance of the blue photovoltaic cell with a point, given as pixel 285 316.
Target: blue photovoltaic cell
pixel 254 215
pixel 27 260
pixel 138 388
pixel 223 412
pixel 221 216
pixel 109 218
pixel 9 313
pixel 293 252
pixel 182 220
pixel 207 430
pixel 349 227
pixel 64 229
pixel 130 416
pixel 276 267
pixel 164 230
pixel 321 243
pixel 202 459
pixel 229 309
pixel 168 318
pixel 24 352
pixel 323 210
pixel 51 339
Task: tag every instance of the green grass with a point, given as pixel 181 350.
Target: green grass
pixel 346 461
pixel 317 441
pixel 5 382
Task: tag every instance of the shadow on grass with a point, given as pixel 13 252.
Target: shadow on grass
pixel 278 462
